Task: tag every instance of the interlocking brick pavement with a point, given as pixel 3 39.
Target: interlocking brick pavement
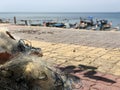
pixel 100 49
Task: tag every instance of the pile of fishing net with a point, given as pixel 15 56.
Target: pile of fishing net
pixel 22 67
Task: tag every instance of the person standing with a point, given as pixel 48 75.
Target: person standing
pixel 110 23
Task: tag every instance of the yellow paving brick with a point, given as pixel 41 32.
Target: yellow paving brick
pixel 79 58
pixel 98 61
pixel 114 58
pixel 106 56
pixel 118 63
pixel 115 70
pixel 104 59
pixel 86 61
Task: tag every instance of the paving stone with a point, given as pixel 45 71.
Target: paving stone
pixel 116 84
pixel 107 79
pixel 99 74
pixel 99 61
pixel 98 51
pixel 115 70
pixel 86 61
pixel 79 58
pixel 81 73
pixel 87 84
pixel 105 68
pixel 101 86
pixel 110 76
pixel 106 56
pixel 116 58
pixel 87 78
pixel 118 80
pixel 118 63
pixel 113 61
pixel 93 89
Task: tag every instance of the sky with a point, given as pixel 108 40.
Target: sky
pixel 60 6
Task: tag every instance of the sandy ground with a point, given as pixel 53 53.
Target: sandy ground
pixel 100 49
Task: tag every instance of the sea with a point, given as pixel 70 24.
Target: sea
pixel 69 17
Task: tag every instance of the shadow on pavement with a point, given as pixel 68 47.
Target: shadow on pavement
pixel 88 71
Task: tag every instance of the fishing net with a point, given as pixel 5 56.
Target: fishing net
pixel 26 72
pixel 26 69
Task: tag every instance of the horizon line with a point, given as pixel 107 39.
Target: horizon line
pixel 53 12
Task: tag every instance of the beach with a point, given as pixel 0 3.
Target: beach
pixel 92 56
pixel 60 45
pixel 100 49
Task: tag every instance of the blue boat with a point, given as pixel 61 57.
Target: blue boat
pixel 58 25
